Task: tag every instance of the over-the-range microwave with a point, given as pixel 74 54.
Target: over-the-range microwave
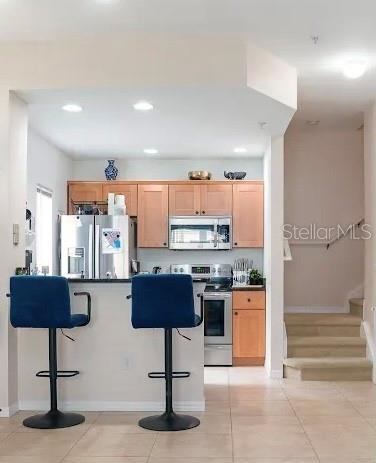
pixel 187 233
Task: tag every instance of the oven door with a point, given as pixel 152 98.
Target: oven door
pixel 218 318
pixel 193 233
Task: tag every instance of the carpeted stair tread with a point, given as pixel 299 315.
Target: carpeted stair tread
pixel 327 362
pixel 322 320
pixel 294 341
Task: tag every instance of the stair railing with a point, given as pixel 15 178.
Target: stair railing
pixel 327 244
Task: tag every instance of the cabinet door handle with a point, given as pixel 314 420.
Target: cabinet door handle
pixel 164 244
pixel 203 212
pixel 235 244
pixel 197 212
pixel 236 313
pixel 249 300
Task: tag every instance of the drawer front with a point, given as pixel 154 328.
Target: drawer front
pixel 248 300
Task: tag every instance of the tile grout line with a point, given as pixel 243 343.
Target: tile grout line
pixel 304 430
pixel 230 404
pixel 83 435
pixel 152 447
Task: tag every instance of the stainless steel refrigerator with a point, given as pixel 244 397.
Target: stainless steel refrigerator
pixel 97 246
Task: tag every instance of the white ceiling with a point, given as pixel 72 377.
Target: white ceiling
pixel 345 28
pixel 184 123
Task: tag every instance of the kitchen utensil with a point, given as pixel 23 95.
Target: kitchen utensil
pixel 240 271
pixel 156 270
pixel 199 175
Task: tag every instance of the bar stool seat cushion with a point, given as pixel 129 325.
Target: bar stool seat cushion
pixel 163 301
pixel 79 319
pixel 42 302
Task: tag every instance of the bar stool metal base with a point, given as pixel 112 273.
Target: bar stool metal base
pixel 169 421
pixel 54 419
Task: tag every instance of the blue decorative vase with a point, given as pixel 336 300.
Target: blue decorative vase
pixel 111 171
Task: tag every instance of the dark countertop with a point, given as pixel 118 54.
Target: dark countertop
pixel 248 288
pixel 118 280
pixel 97 280
pixel 129 280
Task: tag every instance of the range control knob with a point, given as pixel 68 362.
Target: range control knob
pixel 181 270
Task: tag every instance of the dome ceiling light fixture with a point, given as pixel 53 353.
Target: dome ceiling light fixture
pixel 354 68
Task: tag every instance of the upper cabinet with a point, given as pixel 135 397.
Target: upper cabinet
pixel 153 203
pixel 248 215
pixel 184 199
pixel 188 199
pixel 216 199
pixel 126 189
pixel 83 191
pixel 152 226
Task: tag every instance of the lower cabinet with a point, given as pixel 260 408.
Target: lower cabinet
pixel 248 336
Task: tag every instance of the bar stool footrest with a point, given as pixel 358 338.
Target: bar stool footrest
pixel 175 374
pixel 60 373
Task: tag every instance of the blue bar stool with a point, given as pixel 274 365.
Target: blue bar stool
pixel 165 301
pixel 44 302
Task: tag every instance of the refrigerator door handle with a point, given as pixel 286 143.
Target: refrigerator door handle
pixel 90 251
pixel 96 252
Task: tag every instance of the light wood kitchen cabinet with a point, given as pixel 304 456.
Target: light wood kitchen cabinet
pixel 187 199
pixel 248 215
pixel 249 337
pixel 152 226
pixel 248 327
pixel 126 189
pixel 184 199
pixel 216 199
pixel 248 300
pixel 83 191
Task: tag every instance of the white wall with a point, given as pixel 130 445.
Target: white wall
pixel 13 137
pixel 370 217
pixel 323 185
pixel 274 268
pixel 167 169
pixel 48 167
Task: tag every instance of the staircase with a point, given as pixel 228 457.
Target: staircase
pixel 327 347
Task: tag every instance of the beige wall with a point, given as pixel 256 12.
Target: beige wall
pixel 370 215
pixel 323 185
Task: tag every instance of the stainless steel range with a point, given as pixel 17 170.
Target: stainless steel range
pixel 217 309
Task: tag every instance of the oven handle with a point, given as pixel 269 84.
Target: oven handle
pixel 217 296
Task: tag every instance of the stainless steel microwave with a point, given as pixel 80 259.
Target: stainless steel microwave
pixel 187 233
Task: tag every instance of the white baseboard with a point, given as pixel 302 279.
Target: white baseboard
pixel 189 406
pixel 7 412
pixel 315 309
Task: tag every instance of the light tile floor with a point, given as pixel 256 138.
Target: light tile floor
pixel 249 419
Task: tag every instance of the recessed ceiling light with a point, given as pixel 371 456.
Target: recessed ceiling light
pixel 314 122
pixel 151 151
pixel 143 106
pixel 353 69
pixel 240 149
pixel 72 108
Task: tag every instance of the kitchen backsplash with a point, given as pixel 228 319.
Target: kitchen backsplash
pixel 150 258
